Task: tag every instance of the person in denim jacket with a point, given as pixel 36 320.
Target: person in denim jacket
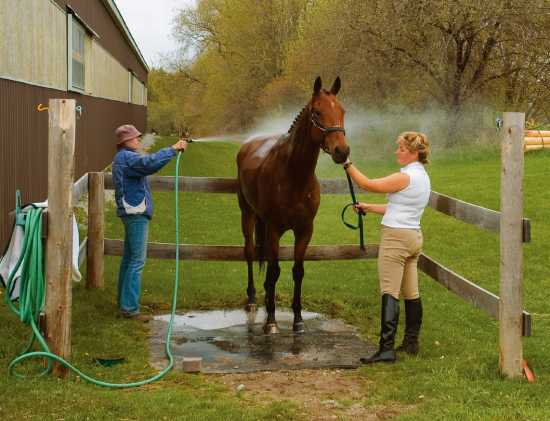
pixel 135 209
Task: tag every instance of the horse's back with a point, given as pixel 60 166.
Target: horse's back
pixel 254 150
pixel 250 159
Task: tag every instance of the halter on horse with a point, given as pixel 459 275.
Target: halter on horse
pixel 278 191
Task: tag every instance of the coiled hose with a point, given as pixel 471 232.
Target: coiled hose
pixel 33 295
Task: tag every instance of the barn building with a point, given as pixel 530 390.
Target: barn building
pixel 78 49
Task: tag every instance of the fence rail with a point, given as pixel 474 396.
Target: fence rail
pixel 80 188
pixel 464 288
pixel 463 211
pixel 479 297
pixel 236 253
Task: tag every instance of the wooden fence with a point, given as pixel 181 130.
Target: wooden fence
pixel 463 211
pixel 513 229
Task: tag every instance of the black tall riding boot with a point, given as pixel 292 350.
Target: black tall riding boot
pixel 413 316
pixel 388 328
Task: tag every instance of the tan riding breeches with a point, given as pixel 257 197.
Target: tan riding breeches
pixel 397 262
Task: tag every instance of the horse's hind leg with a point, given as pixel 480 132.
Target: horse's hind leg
pixel 272 275
pixel 248 220
pixel 302 238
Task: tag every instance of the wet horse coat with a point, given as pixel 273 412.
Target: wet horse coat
pixel 278 191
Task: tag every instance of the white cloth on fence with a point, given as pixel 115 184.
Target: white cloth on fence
pixel 9 260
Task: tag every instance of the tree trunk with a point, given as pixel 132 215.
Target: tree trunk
pixel 455 116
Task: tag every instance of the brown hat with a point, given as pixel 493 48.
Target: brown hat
pixel 126 132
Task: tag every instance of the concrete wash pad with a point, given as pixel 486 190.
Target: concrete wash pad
pixel 232 341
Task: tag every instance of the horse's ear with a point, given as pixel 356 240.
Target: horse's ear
pixel 336 86
pixel 317 85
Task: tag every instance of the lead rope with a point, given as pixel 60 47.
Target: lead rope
pixel 359 215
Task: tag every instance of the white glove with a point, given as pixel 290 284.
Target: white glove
pixel 346 164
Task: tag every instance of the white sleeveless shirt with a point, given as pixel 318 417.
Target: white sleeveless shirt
pixel 405 207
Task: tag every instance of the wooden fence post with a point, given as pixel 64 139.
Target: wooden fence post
pixel 61 146
pixel 511 247
pixel 96 230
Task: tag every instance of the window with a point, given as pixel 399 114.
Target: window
pixel 130 80
pixel 136 90
pixel 78 56
pixel 79 36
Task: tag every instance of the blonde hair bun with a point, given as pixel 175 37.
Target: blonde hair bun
pixel 416 142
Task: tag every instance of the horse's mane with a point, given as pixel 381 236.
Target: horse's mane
pixel 297 119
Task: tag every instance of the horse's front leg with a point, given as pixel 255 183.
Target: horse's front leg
pixel 301 241
pixel 272 275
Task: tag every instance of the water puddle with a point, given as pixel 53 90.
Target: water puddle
pixel 233 341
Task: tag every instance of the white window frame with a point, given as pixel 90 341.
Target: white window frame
pixel 72 22
pixel 130 82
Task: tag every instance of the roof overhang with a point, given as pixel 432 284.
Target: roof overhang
pixel 115 13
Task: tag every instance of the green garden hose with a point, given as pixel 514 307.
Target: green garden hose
pixel 33 294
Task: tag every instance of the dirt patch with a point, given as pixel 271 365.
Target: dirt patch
pixel 321 394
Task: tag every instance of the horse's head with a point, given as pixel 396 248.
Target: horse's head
pixel 327 118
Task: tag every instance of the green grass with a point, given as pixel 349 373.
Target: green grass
pixel 454 377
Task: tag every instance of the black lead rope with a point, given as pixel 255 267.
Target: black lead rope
pixel 359 215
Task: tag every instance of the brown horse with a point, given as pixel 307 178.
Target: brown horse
pixel 278 191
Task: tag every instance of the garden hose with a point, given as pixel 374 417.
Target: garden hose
pixel 33 294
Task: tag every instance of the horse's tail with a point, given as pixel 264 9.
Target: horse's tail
pixel 260 241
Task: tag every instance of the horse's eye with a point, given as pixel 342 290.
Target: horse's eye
pixel 317 113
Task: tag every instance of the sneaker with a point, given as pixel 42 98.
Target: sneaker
pixel 136 316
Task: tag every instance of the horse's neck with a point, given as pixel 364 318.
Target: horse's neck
pixel 303 151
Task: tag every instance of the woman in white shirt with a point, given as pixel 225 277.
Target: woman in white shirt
pixel 401 240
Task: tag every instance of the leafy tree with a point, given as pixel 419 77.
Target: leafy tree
pixel 244 58
pixel 240 47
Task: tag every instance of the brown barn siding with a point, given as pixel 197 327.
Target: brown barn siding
pixel 95 14
pixel 24 140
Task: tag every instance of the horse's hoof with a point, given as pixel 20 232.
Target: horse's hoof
pixel 271 328
pixel 299 327
pixel 251 318
pixel 251 308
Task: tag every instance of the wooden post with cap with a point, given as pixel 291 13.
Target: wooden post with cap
pixel 61 147
pixel 511 246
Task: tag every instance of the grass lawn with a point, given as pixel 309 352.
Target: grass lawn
pixel 454 377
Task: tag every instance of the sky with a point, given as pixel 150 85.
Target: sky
pixel 150 22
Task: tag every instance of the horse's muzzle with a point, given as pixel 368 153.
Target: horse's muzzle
pixel 340 154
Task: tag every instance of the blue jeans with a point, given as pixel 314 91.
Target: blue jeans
pixel 135 251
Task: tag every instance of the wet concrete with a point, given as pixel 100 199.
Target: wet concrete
pixel 233 341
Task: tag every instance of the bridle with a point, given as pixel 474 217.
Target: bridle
pixel 325 131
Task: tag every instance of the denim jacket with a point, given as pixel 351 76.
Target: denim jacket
pixel 130 171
